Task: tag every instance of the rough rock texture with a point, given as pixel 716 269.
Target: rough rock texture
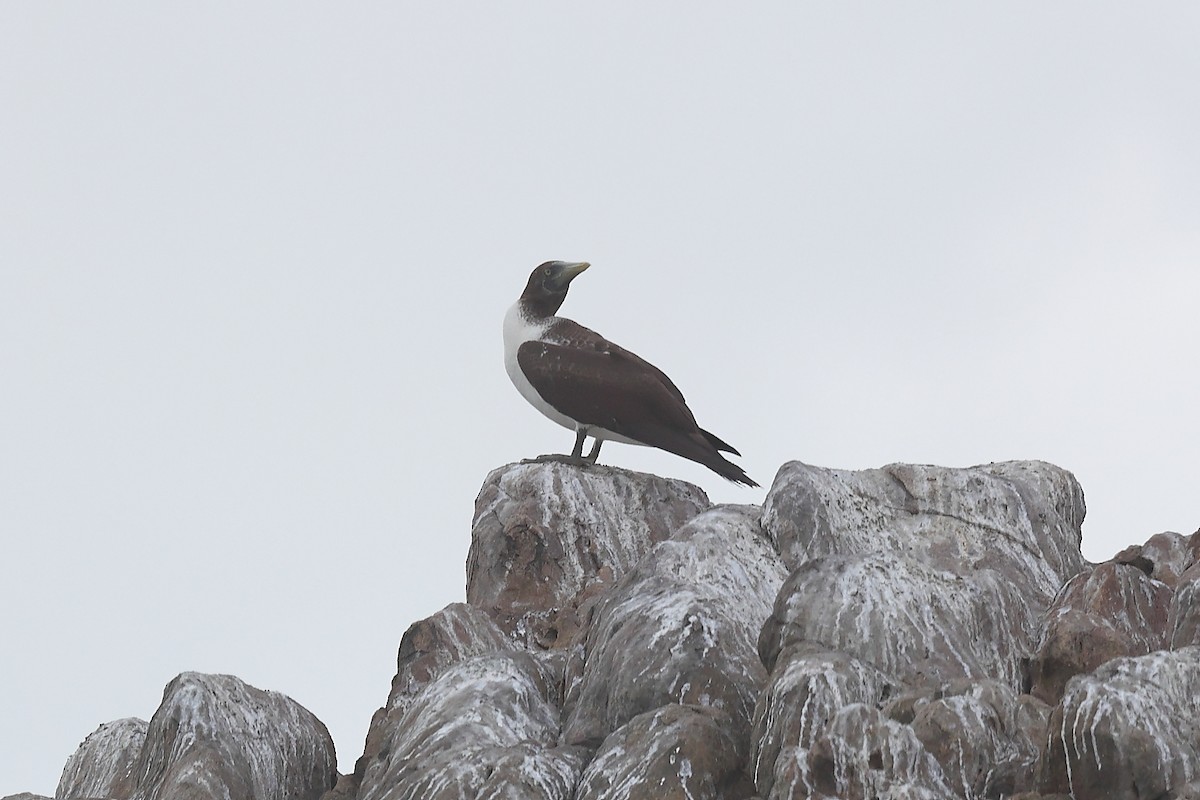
pixel 105 764
pixel 904 632
pixel 1103 613
pixel 429 647
pixel 547 537
pixel 1129 730
pixel 473 728
pixel 676 752
pixel 1183 624
pixel 213 737
pixel 680 628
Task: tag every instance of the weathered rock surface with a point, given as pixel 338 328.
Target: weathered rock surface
pixel 548 537
pixel 679 628
pixel 213 736
pixel 675 752
pixel 1127 731
pixel 1018 519
pixel 868 634
pixel 1183 623
pixel 105 765
pixel 487 726
pixel 1103 613
pixel 429 647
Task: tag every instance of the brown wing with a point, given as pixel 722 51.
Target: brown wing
pixel 613 389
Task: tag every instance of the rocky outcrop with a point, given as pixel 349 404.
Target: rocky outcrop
pixel 904 632
pixel 1128 730
pixel 213 736
pixel 105 765
pixel 547 538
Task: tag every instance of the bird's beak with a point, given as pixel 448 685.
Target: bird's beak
pixel 571 270
pixel 568 271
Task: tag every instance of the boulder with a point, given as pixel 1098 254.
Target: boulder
pixel 1183 623
pixel 1127 731
pixel 1019 519
pixel 215 736
pixel 105 763
pixel 429 647
pixel 675 752
pixel 680 628
pixel 863 755
pixel 1102 613
pixel 986 738
pixel 918 589
pixel 487 723
pixel 1164 557
pixel 918 625
pixel 549 536
pixel 806 690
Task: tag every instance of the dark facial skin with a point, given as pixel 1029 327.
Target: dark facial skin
pixel 547 287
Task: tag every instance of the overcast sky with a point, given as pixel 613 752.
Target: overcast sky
pixel 254 261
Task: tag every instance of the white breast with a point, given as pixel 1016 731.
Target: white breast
pixel 519 329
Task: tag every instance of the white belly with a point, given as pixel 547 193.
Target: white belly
pixel 518 330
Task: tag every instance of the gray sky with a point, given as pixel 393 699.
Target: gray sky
pixel 254 261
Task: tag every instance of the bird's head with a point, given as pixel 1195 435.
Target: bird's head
pixel 547 287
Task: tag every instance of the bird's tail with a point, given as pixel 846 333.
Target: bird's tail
pixel 721 446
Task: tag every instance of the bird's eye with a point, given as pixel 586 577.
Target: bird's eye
pixel 548 271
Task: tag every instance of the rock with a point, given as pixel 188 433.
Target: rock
pixel 679 628
pixel 25 796
pixel 916 624
pixel 863 755
pixel 105 763
pixel 1020 519
pixel 922 579
pixel 486 721
pixel 547 537
pixel 805 692
pixel 985 737
pixel 1183 623
pixel 676 752
pixel 1128 730
pixel 429 647
pixel 1103 613
pixel 1163 557
pixel 214 736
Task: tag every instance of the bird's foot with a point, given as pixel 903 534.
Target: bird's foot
pixel 559 458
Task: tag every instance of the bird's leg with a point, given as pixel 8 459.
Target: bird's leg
pixel 576 458
pixel 592 456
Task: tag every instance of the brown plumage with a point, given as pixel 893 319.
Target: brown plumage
pixel 583 381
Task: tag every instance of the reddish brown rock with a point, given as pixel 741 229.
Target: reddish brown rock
pixel 1183 624
pixel 429 647
pixel 863 755
pixel 676 752
pixel 1164 557
pixel 548 537
pixel 1103 613
pixel 806 690
pixel 986 738
pixel 1127 731
pixel 105 763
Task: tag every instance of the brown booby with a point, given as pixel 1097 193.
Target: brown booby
pixel 596 388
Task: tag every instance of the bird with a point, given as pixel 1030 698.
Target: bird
pixel 595 387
